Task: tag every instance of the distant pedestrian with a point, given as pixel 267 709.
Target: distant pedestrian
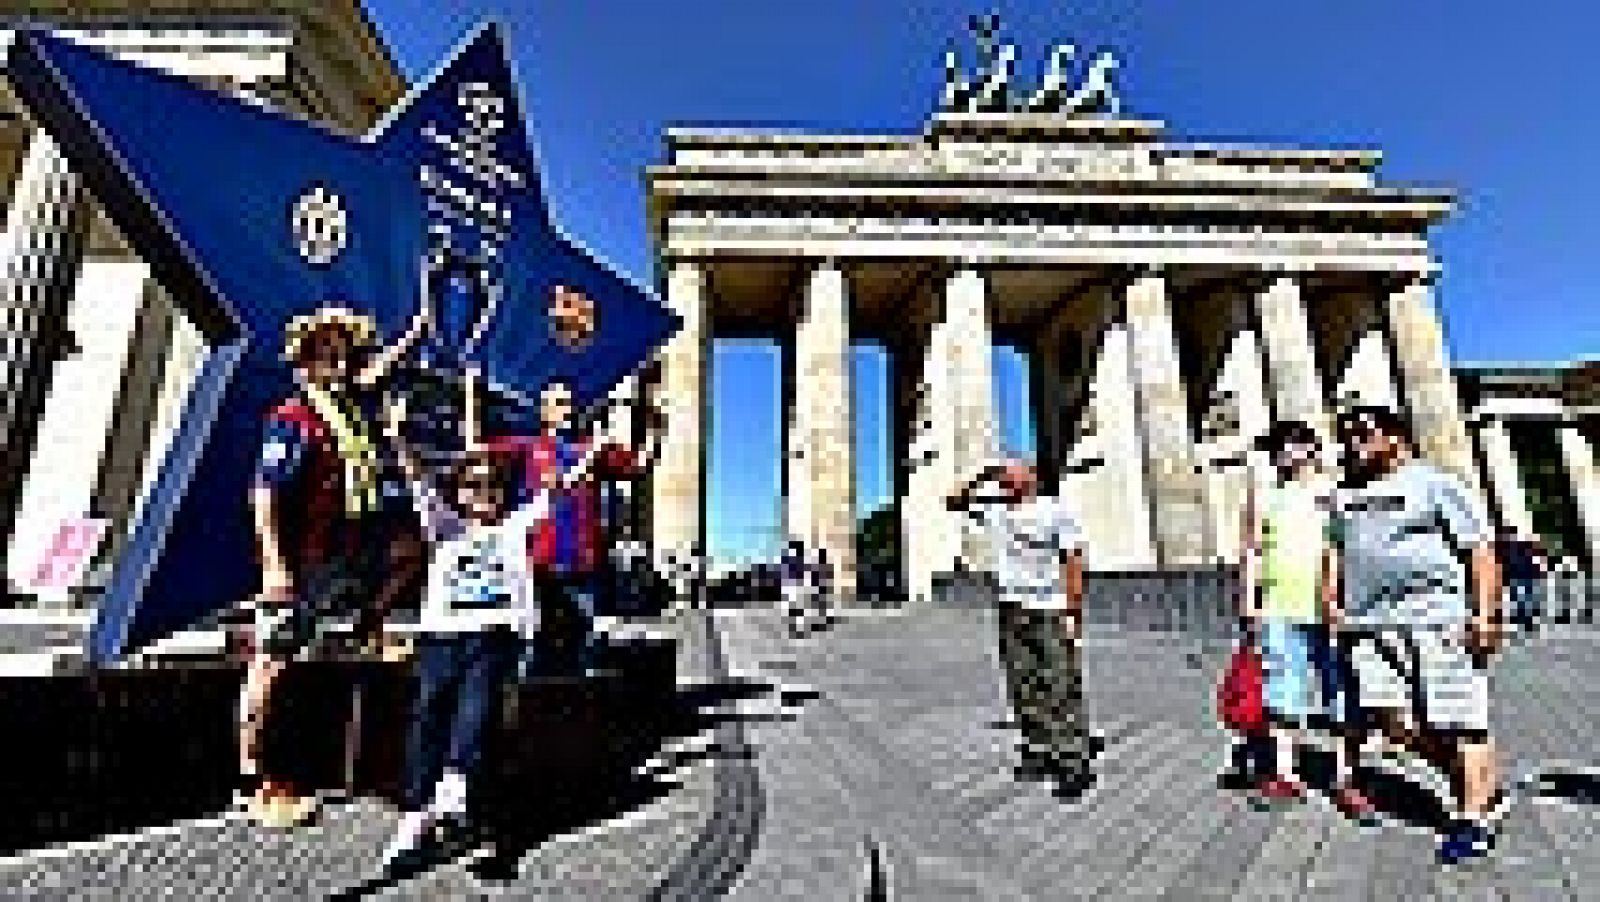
pixel 805 582
pixel 1039 571
pixel 1524 566
pixel 794 584
pixel 1419 609
pixel 827 586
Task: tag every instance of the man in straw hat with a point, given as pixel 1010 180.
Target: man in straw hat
pixel 320 518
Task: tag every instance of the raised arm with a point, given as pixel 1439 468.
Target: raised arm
pixel 394 417
pixel 961 497
pixel 438 520
pixel 378 367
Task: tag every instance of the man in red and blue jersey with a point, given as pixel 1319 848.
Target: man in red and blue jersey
pixel 566 550
pixel 328 539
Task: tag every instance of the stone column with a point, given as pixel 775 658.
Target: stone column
pixel 1293 379
pixel 1368 374
pixel 820 504
pixel 1048 392
pixel 930 535
pixel 1177 492
pixel 1243 375
pixel 1113 499
pixel 1504 477
pixel 1241 383
pixel 952 435
pixel 1578 453
pixel 976 438
pixel 133 434
pixel 677 509
pixel 186 353
pixel 1427 385
pixel 81 410
pixel 39 255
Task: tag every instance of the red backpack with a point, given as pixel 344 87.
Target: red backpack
pixel 1239 696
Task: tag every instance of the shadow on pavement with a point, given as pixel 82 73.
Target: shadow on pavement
pixel 1397 799
pixel 568 766
pixel 1581 786
pixel 119 751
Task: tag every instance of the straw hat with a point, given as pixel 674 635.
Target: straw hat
pixel 358 326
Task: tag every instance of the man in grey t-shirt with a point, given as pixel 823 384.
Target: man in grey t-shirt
pixel 1039 570
pixel 1414 592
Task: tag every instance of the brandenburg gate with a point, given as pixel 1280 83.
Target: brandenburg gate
pixel 1174 299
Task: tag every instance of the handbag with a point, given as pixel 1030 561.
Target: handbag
pixel 1240 704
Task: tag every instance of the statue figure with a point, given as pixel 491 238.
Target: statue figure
pixel 993 94
pixel 1095 93
pixel 989 91
pixel 1052 93
pixel 989 94
pixel 957 91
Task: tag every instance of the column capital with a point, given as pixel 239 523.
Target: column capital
pixel 1422 278
pixel 1289 267
pixel 1124 276
pixel 961 266
pixel 684 264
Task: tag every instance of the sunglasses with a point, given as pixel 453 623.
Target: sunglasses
pixel 478 482
pixel 1357 432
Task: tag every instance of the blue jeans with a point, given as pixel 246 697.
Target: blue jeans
pixel 1524 601
pixel 579 595
pixel 459 678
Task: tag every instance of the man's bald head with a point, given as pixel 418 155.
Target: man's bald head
pixel 1020 477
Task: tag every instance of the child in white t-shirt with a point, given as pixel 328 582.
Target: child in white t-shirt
pixel 478 612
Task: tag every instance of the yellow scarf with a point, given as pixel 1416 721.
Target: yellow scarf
pixel 352 441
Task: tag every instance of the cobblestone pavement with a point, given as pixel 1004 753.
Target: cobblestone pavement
pixel 879 760
pixel 905 745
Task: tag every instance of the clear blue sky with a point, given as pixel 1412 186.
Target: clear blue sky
pixel 1495 100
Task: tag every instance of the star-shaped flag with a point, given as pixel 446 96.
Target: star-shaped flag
pixel 250 217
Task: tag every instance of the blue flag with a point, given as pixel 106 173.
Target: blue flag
pixel 250 217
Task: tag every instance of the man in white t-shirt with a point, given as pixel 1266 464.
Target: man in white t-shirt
pixel 1039 572
pixel 1415 587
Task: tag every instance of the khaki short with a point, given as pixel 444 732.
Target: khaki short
pixel 1427 674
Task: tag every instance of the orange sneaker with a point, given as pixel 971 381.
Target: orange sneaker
pixel 1354 804
pixel 279 806
pixel 1279 789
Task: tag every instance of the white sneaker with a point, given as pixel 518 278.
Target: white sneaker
pixel 406 847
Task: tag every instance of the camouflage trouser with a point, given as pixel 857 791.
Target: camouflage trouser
pixel 1045 682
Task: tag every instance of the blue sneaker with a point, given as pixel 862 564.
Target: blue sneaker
pixel 1464 843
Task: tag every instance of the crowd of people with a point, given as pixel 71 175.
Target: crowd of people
pixel 1374 600
pixel 1371 595
pixel 1369 591
pixel 499 539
